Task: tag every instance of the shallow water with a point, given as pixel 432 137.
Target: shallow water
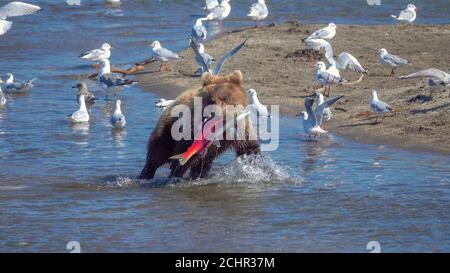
pixel 60 183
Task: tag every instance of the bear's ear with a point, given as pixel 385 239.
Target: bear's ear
pixel 236 77
pixel 207 78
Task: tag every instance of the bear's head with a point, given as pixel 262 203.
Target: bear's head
pixel 227 90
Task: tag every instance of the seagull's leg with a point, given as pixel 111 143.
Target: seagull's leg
pixel 392 72
pixel 160 67
pixel 96 67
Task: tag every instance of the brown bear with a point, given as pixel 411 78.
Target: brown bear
pixel 215 90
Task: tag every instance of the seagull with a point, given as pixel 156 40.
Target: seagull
pixel 199 31
pixel 378 106
pixel 82 114
pixel 220 63
pixel 97 55
pixel 326 33
pixel 17 87
pixel 109 82
pixel 163 55
pixel 210 5
pixel 345 60
pixel 2 96
pixel 258 11
pixel 118 119
pixel 83 90
pixel 203 57
pixel 220 12
pixel 326 111
pixel 14 9
pixel 163 103
pixel 407 15
pixel 391 60
pixel 312 120
pixel 435 77
pixel 327 77
pixel 255 106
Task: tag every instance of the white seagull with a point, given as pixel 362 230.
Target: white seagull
pixel 199 32
pixel 220 12
pixel 312 120
pixel 256 107
pixel 326 33
pixel 118 119
pixel 327 77
pixel 378 106
pixel 163 55
pixel 345 60
pixel 327 114
pixel 14 9
pixel 407 15
pixel 97 55
pixel 110 82
pixel 203 57
pixel 17 87
pixel 258 11
pixel 210 5
pixel 390 60
pixel 81 115
pixel 163 103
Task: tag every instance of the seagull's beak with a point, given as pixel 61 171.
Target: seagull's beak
pixel 75 86
pixel 299 114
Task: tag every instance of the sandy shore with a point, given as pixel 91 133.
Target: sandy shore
pixel 273 63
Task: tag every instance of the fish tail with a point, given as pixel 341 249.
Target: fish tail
pixel 182 158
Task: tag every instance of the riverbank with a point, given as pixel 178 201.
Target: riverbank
pixel 273 63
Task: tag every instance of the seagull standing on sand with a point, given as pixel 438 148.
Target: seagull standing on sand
pixel 199 32
pixel 390 60
pixel 407 15
pixel 82 114
pixel 258 12
pixel 109 82
pixel 220 12
pixel 210 5
pixel 435 78
pixel 327 77
pixel 17 87
pixel 83 90
pixel 203 57
pixel 326 33
pixel 256 107
pixel 14 9
pixel 118 119
pixel 312 120
pixel 163 55
pixel 97 55
pixel 378 106
pixel 163 103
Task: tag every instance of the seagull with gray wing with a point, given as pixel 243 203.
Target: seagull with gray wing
pixel 163 55
pixel 435 77
pixel 17 87
pixel 220 63
pixel 110 82
pixel 378 106
pixel 203 58
pixel 390 60
pixel 407 15
pixel 312 119
pixel 83 90
pixel 13 9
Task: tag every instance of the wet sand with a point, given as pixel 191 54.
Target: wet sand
pixel 273 63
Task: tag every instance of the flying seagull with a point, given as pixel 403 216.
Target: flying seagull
pixel 221 62
pixel 13 9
